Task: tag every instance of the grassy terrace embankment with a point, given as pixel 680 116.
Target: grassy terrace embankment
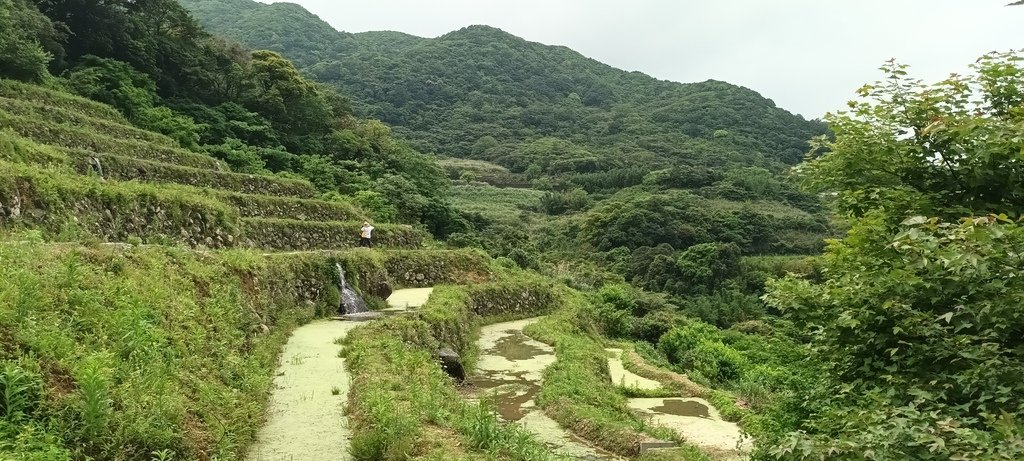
pixel 402 404
pixel 578 393
pixel 115 352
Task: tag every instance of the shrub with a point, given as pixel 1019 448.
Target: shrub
pixel 556 203
pixel 376 205
pixel 724 307
pixel 523 259
pixel 239 156
pixel 716 362
pixel 651 327
pixel 178 127
pixel 680 341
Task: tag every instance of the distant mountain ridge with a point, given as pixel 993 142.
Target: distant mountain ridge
pixel 483 93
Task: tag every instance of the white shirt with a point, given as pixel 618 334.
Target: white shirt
pixel 367 231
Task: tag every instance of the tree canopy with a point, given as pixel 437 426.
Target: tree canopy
pixel 482 93
pixel 918 319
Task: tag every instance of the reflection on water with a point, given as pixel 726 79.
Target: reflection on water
pixel 681 407
pixel 512 399
pixel 511 392
pixel 508 376
pixel 515 347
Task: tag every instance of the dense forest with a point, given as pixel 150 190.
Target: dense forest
pixel 847 288
pixel 154 63
pixel 482 93
pixel 633 169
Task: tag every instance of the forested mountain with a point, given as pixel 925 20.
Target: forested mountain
pixel 482 93
pixel 659 217
pixel 252 109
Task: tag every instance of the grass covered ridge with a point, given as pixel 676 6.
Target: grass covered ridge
pixel 121 354
pixel 401 399
pixel 116 353
pixel 576 390
pixel 73 207
pixel 60 99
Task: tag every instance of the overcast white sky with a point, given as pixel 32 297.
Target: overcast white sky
pixel 807 55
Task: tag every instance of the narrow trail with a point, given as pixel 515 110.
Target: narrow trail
pixel 510 369
pixel 305 419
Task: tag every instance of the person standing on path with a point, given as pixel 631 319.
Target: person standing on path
pixel 366 235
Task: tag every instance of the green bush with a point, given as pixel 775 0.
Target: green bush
pixel 679 342
pixel 715 361
pixel 556 203
pixel 376 205
pixel 163 120
pixel 21 56
pixel 652 326
pixel 113 82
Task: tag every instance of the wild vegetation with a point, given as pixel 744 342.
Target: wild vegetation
pixel 111 354
pixel 251 110
pixel 676 221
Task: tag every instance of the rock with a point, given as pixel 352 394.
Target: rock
pixel 382 289
pixel 451 363
pixel 16 206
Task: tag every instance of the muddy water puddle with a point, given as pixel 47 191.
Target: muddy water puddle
pixel 517 347
pixel 680 407
pixel 511 399
pixel 697 421
pixel 509 368
pixel 509 373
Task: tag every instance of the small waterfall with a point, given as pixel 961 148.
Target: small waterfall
pixel 351 302
pixel 95 164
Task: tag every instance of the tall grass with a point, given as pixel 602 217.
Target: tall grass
pixel 115 354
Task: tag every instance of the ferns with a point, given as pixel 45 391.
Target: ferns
pixel 19 392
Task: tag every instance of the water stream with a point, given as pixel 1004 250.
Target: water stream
pixel 509 373
pixel 351 302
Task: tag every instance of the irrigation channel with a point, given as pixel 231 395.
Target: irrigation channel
pixel 510 370
pixel 695 419
pixel 306 418
pixel 306 421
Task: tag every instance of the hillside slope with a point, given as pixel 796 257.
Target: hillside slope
pixel 480 92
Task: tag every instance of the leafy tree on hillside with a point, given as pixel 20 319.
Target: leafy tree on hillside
pixel 291 103
pixel 949 149
pixel 22 57
pixel 918 318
